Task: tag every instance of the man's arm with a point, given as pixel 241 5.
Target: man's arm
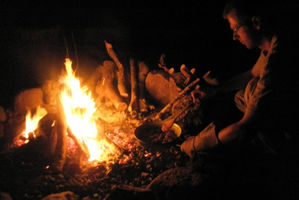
pixel 233 131
pixel 207 91
pixel 235 83
pixel 240 127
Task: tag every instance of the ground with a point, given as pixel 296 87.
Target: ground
pixel 25 175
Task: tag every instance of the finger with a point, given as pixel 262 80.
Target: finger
pixel 206 74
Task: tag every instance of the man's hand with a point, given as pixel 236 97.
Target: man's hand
pixel 188 146
pixel 210 79
pixel 206 139
pixel 206 89
pixel 202 93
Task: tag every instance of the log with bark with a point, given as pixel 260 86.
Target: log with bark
pixel 120 70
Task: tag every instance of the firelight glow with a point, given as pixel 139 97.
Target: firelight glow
pixel 32 122
pixel 79 108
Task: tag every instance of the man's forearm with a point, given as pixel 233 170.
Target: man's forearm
pixel 230 132
pixel 235 83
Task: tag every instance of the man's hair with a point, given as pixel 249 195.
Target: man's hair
pixel 244 9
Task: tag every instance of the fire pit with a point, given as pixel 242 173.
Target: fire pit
pixel 73 141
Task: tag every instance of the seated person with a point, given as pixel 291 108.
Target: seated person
pixel 266 93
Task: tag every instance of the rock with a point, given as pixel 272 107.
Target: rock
pixel 161 87
pixel 67 195
pixel 28 100
pixel 5 196
pixel 3 115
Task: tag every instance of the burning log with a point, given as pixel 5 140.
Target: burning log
pixel 120 72
pixel 50 93
pixel 134 101
pixel 61 145
pixel 47 129
pixel 13 126
pixel 82 148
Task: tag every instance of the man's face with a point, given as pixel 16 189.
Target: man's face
pixel 241 31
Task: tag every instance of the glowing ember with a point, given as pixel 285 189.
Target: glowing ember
pixel 31 124
pixel 79 108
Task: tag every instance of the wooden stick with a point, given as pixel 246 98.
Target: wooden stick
pixel 82 148
pixel 162 65
pixel 133 188
pixel 61 145
pixel 133 102
pixel 167 124
pixel 186 73
pixel 120 73
pixel 142 72
pixel 143 69
pixel 186 89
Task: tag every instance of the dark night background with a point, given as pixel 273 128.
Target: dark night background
pixel 34 36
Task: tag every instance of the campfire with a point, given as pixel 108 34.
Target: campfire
pixel 103 128
pixel 78 110
pixel 99 125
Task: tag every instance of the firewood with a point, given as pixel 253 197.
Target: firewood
pixel 120 73
pixel 105 87
pixel 167 124
pixel 133 188
pixel 61 145
pixel 142 72
pixel 186 89
pixel 50 91
pixel 134 101
pixel 186 74
pixel 162 64
pixel 82 148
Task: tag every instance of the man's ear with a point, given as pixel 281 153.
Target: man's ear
pixel 256 22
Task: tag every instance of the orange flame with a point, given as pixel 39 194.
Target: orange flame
pixel 79 109
pixel 32 122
